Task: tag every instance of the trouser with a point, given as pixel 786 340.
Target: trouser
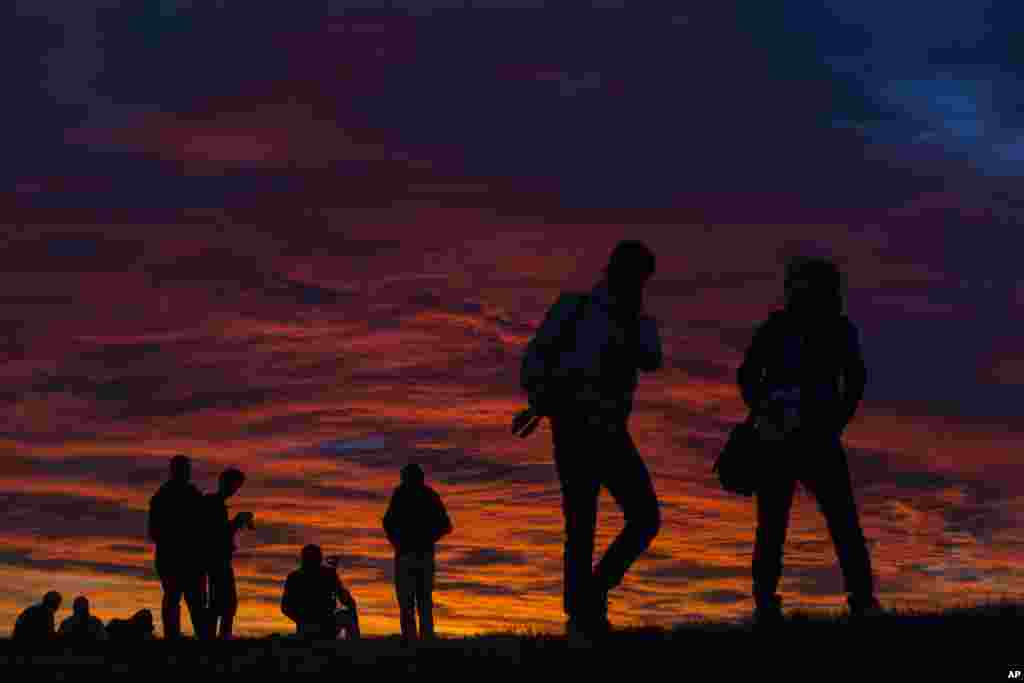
pixel 820 465
pixel 587 457
pixel 414 586
pixel 330 628
pixel 223 598
pixel 180 579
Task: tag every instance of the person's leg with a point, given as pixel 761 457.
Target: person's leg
pixel 424 595
pixel 195 600
pixel 347 621
pixel 829 482
pixel 171 605
pixel 405 591
pixel 229 607
pixel 580 486
pixel 628 481
pixel 774 500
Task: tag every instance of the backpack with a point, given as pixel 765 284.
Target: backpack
pixel 556 387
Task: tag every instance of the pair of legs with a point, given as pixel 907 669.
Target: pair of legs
pixel 819 463
pixel 343 620
pixel 589 456
pixel 414 586
pixel 181 579
pixel 223 599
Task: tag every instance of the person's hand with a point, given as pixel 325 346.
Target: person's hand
pixel 246 519
pixel 525 422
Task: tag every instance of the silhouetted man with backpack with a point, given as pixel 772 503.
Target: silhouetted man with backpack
pixel 415 521
pixel 311 596
pixel 803 377
pixel 174 521
pixel 581 370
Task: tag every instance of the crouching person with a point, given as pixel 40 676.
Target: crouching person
pixel 82 626
pixel 311 596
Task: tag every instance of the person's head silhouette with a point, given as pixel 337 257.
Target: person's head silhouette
pixel 312 557
pixel 52 601
pixel 412 475
pixel 630 266
pixel 813 287
pixel 81 606
pixel 230 481
pixel 181 469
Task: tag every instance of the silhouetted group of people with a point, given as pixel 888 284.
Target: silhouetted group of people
pixel 802 377
pixel 37 624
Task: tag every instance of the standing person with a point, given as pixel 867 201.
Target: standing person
pixel 586 390
pixel 415 521
pixel 37 623
pixel 81 625
pixel 803 377
pixel 311 596
pixel 173 516
pixel 219 551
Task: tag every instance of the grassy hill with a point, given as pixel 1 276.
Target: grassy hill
pixel 972 644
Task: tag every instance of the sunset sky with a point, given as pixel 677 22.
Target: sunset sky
pixel 312 239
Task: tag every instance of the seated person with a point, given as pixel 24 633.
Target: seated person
pixel 36 623
pixel 311 595
pixel 81 625
pixel 139 627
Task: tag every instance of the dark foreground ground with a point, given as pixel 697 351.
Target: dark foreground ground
pixel 975 644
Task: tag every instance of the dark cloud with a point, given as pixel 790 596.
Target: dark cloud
pixel 24 560
pixel 722 597
pixel 682 571
pixel 46 516
pixel 485 557
pixel 475 588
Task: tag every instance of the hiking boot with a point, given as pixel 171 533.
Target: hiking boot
pixel 768 612
pixel 864 607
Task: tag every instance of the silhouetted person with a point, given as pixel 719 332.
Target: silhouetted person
pixel 174 516
pixel 415 521
pixel 139 627
pixel 82 626
pixel 803 376
pixel 220 549
pixel 311 595
pixel 585 387
pixel 37 623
